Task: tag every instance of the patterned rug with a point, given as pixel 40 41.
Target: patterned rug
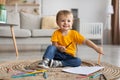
pixel 7 69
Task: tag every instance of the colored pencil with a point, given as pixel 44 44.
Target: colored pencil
pixel 68 44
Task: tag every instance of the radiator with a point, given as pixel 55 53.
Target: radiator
pixel 92 30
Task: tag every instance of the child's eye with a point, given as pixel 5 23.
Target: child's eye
pixel 62 20
pixel 69 21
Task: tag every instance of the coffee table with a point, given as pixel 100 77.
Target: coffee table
pixel 13 35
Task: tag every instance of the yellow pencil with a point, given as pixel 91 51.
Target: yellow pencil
pixel 38 71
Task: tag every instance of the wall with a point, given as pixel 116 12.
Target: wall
pixel 89 10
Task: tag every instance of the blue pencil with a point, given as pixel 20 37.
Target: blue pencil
pixel 23 75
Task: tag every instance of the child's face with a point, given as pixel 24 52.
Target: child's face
pixel 65 22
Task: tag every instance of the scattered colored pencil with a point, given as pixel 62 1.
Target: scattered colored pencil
pixel 23 75
pixel 20 75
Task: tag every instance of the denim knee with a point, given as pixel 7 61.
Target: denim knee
pixel 78 62
pixel 52 47
pixel 50 52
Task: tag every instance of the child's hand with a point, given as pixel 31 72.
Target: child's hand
pixel 61 48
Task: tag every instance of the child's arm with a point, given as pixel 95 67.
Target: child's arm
pixel 94 46
pixel 59 47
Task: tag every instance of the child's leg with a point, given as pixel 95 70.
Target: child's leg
pixel 73 62
pixel 50 52
pixel 65 60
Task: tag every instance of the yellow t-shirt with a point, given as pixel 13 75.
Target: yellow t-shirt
pixel 72 36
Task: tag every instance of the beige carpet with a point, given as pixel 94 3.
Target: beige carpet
pixel 9 68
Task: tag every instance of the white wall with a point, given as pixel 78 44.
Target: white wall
pixel 89 10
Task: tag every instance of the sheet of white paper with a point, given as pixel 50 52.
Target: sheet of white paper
pixel 83 70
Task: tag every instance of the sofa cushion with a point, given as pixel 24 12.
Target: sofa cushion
pixel 12 18
pixel 18 33
pixel 42 32
pixel 49 22
pixel 29 21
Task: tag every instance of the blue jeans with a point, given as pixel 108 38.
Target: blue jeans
pixel 67 60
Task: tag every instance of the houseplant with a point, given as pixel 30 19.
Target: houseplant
pixel 3 12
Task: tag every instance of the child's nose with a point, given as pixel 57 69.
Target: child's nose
pixel 65 22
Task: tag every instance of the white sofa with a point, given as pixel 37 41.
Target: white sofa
pixel 31 29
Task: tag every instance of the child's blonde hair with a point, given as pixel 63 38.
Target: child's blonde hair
pixel 63 12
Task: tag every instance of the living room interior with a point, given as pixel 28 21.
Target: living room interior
pixel 35 20
pixel 96 14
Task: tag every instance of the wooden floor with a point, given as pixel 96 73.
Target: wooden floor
pixel 111 54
